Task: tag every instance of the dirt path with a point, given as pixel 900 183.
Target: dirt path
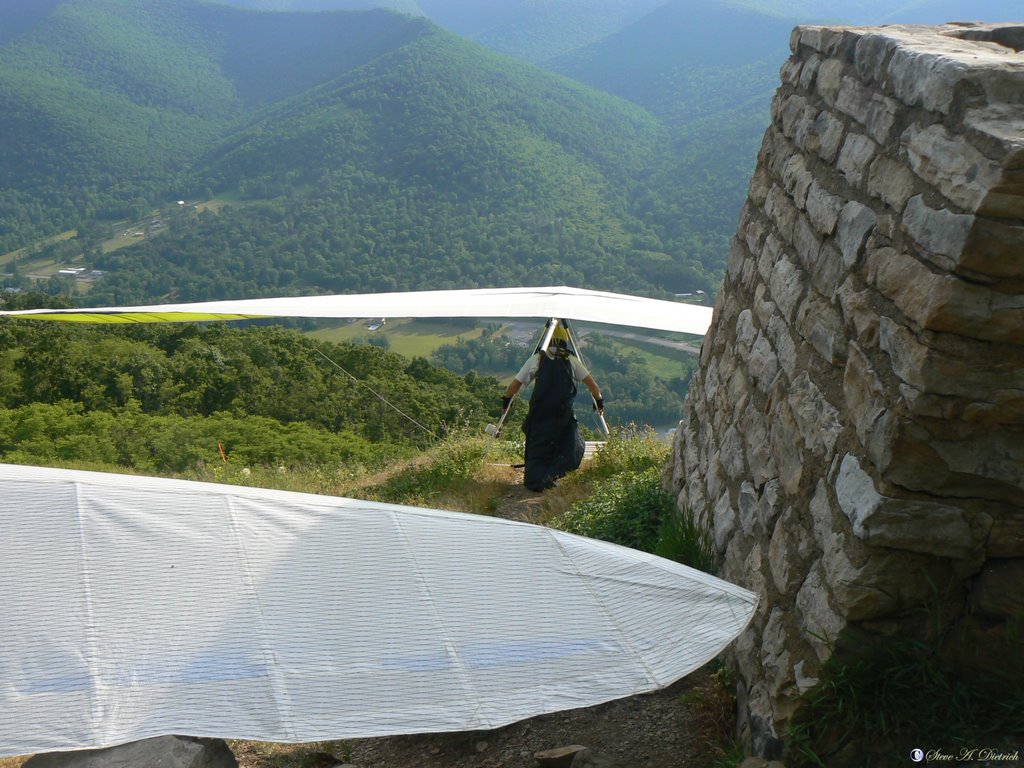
pixel 678 727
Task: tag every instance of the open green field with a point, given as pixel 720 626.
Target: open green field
pixel 20 253
pixel 419 338
pixel 411 338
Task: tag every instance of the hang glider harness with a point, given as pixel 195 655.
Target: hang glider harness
pixel 574 349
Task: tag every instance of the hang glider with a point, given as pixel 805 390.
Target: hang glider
pixel 561 302
pixel 136 606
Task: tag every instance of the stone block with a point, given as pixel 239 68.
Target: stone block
pixel 1006 538
pixel 821 326
pixel 1005 199
pixel 768 505
pixel 998 591
pixel 871 54
pixel 829 272
pixel 823 208
pixel 818 421
pixel 726 521
pixel 940 233
pixel 730 454
pixel 747 502
pixel 995 249
pixel 791 112
pixel 819 622
pixel 764 308
pixel 787 447
pixel 876 112
pixel 760 183
pixel 762 364
pixel 808 72
pixel 560 757
pixel 770 253
pixel 753 236
pixel 736 259
pixel 790 551
pixel 787 286
pixel 790 72
pixel 951 164
pixel 913 524
pixel 745 332
pixel 157 752
pixel 863 393
pixel 891 182
pixel 754 428
pixel 855 224
pixel 998 131
pixel 819 134
pixel 984 463
pixel 782 212
pixel 796 179
pixel 785 348
pixel 859 313
pixel 959 367
pixel 806 243
pixel 829 80
pixel 777 653
pixel 943 302
pixel 855 158
pixel 921 76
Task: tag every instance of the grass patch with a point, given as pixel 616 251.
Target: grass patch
pixel 22 252
pixel 408 337
pixel 663 362
pixel 889 696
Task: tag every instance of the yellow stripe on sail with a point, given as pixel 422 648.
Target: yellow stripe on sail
pixel 138 317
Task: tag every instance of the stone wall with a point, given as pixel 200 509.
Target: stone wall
pixel 854 437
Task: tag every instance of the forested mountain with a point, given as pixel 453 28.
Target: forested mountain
pixel 106 103
pixel 400 6
pixel 538 31
pixel 363 151
pixel 438 165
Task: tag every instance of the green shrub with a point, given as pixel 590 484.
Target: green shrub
pixel 447 466
pixel 627 508
pixel 628 451
pixel 683 540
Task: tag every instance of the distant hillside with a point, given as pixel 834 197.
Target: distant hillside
pixel 707 70
pixel 104 103
pixel 400 6
pixel 19 16
pixel 439 165
pixel 355 151
pixel 537 31
pixel 469 17
pixel 687 59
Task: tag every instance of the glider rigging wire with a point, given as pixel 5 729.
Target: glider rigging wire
pixel 377 394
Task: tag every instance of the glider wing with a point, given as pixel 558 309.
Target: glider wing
pixel 570 303
pixel 134 607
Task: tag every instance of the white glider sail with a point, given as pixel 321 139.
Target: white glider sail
pixel 135 606
pixel 562 302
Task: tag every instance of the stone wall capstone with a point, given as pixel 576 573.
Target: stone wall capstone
pixel 854 437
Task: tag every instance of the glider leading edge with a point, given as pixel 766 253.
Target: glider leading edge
pixel 570 303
